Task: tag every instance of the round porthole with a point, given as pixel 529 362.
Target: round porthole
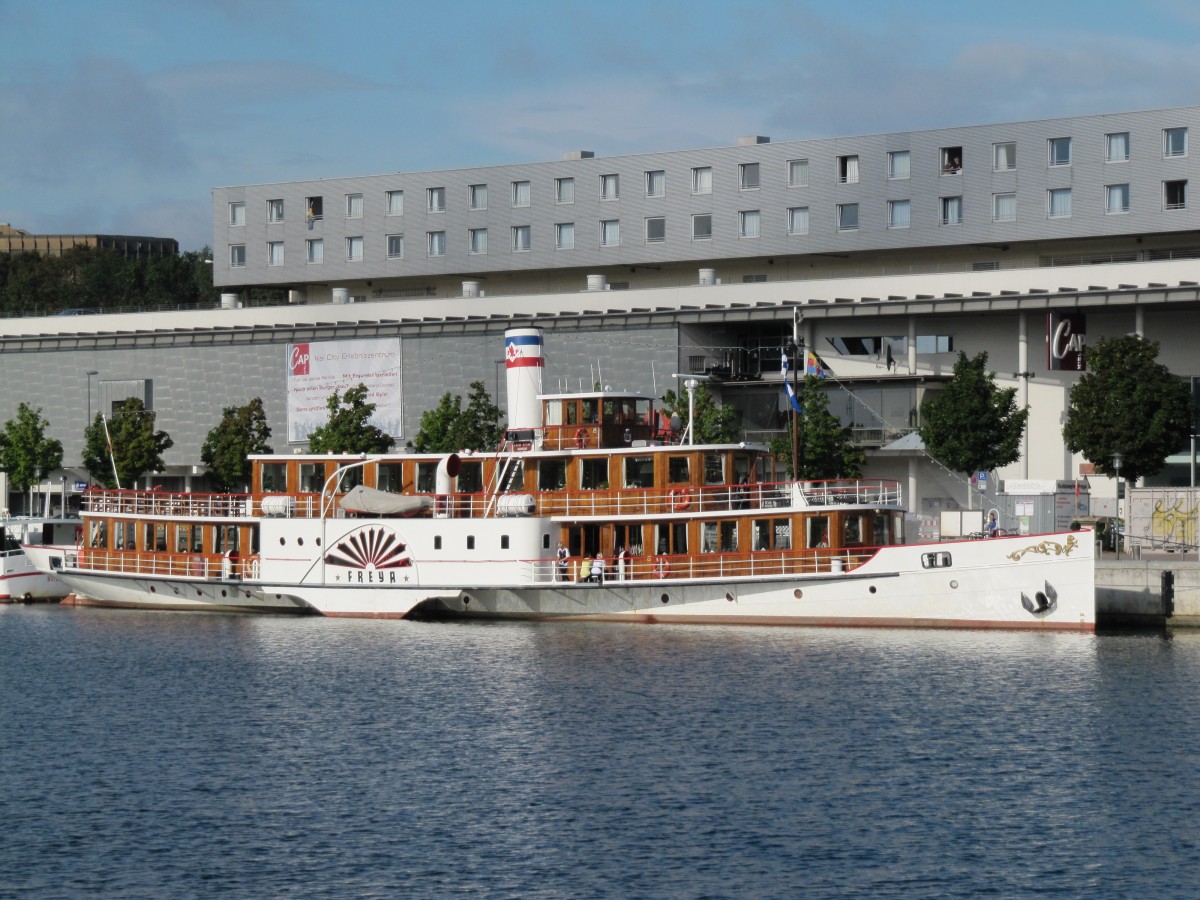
pixel 282 541
pixel 466 601
pixel 729 597
pixel 954 585
pixel 665 599
pixel 871 589
pixel 798 594
pixel 153 589
pixel 318 542
pixel 299 542
pixel 223 594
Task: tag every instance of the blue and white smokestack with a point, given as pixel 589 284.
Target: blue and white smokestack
pixel 523 363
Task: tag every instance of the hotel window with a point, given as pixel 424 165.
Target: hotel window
pixel 477 196
pixel 237 213
pixel 354 249
pixel 521 238
pixel 395 203
pixel 1059 203
pixel 847 170
pixel 610 233
pixel 477 240
pixel 1004 156
pixel 952 210
pixel 237 256
pixel 1174 195
pixel 1116 147
pixel 899 213
pixel 314 209
pixel 656 230
pixel 564 190
pixel 436 243
pixel 1174 142
pixel 275 253
pixel 564 236
pixel 951 160
pixel 1004 207
pixel 436 199
pixel 1116 198
pixel 316 251
pixel 748 223
pixel 748 177
pixel 354 206
pixel 797 172
pixel 797 220
pixel 847 217
pixel 656 183
pixel 1059 151
pixel 899 165
pixel 702 227
pixel 610 187
pixel 395 246
pixel 520 193
pixel 274 210
pixel 702 180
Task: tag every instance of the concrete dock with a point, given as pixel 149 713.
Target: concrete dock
pixel 1158 589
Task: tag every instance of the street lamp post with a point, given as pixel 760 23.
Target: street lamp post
pixel 1117 460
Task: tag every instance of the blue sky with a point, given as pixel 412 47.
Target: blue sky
pixel 120 116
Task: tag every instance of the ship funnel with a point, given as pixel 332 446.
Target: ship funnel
pixel 523 362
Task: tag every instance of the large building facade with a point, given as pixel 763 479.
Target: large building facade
pixel 887 253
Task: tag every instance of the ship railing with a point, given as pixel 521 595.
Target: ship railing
pixel 708 566
pixel 868 491
pixel 156 563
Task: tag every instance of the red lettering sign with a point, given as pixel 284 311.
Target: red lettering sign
pixel 300 359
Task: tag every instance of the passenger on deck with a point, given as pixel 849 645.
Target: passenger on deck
pixel 598 568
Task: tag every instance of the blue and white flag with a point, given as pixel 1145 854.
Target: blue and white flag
pixel 791 391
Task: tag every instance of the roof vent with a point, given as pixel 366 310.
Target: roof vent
pixel 579 154
pixel 750 140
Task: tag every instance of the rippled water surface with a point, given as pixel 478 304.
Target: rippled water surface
pixel 160 754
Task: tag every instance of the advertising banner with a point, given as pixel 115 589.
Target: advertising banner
pixel 316 370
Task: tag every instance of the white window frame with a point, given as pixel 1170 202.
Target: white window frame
pixel 237 213
pixel 477 196
pixel 435 200
pixel 843 210
pixel 477 240
pixel 1119 192
pixel 564 190
pixel 895 220
pixel 314 251
pixel 1058 194
pixel 797 173
pixel 274 211
pixel 896 170
pixel 610 187
pixel 702 237
pixel 749 223
pixel 660 220
pixel 435 244
pixel 749 176
pixel 355 247
pixel 952 210
pixel 656 183
pixel 1001 155
pixel 794 215
pixel 1055 158
pixel 564 236
pixel 522 238
pixel 237 256
pixel 849 170
pixel 354 206
pixel 1178 205
pixel 702 180
pixel 1172 152
pixel 613 239
pixel 274 259
pixel 1109 142
pixel 522 194
pixel 395 202
pixel 1003 198
pixel 395 246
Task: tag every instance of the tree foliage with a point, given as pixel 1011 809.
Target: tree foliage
pixel 972 425
pixel 449 428
pixel 1130 403
pixel 136 447
pixel 242 431
pixel 348 429
pixel 104 279
pixel 26 453
pixel 716 423
pixel 825 446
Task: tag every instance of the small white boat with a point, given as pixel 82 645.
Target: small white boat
pixel 20 579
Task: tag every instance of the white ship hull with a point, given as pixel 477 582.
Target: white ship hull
pixel 21 580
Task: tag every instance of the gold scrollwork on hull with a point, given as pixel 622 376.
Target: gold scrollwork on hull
pixel 1047 548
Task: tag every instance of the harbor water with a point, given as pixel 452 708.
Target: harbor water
pixel 149 754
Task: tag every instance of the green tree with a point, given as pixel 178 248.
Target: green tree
pixel 449 428
pixel 243 430
pixel 135 446
pixel 972 425
pixel 716 423
pixel 26 453
pixel 825 446
pixel 348 429
pixel 1128 403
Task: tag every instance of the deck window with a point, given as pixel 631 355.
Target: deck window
pixel 639 472
pixel 714 468
pixel 818 532
pixel 881 529
pixel 312 478
pixel 729 542
pixel 470 478
pixel 679 470
pixel 552 474
pixel 274 478
pixel 390 477
pixel 593 474
pixel 426 477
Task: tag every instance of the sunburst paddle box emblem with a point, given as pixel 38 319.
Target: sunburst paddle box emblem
pixel 370 555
